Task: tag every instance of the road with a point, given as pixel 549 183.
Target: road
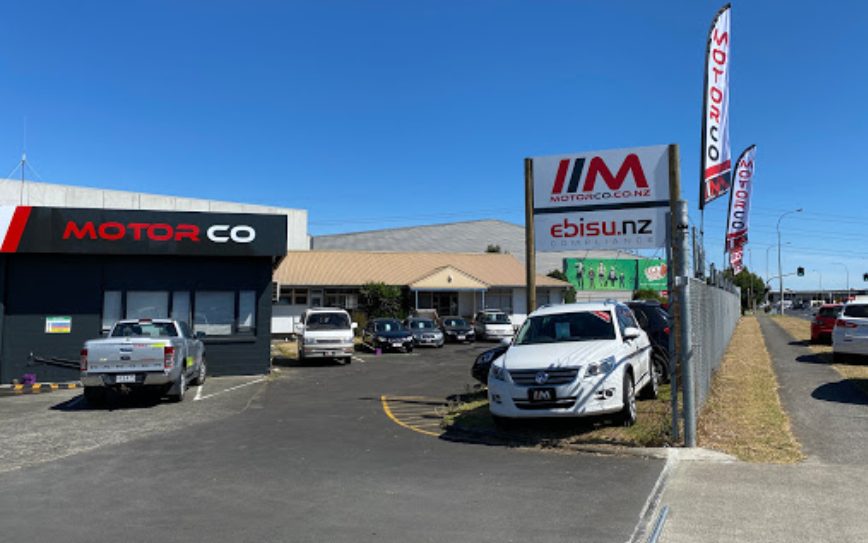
pixel 314 458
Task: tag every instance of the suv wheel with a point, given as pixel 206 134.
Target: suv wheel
pixel 628 396
pixel 653 387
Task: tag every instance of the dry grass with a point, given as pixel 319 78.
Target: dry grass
pixel 287 349
pixel 652 428
pixel 743 415
pixel 800 330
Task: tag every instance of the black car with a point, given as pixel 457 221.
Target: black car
pixel 457 329
pixel 387 335
pixel 655 321
pixel 482 364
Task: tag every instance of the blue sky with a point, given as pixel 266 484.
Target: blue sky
pixel 381 114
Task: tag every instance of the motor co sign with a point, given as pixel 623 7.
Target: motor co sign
pixel 614 199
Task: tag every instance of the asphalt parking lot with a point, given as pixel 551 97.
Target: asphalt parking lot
pixel 312 456
pixel 48 426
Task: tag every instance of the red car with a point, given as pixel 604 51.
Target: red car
pixel 824 322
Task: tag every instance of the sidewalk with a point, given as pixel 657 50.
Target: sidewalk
pixel 821 499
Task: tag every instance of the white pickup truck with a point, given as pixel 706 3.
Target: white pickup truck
pixel 160 354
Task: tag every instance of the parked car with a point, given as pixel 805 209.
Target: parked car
pixel 493 324
pixel 655 321
pixel 482 364
pixel 573 360
pixel 457 329
pixel 158 354
pixel 824 322
pixel 386 335
pixel 425 332
pixel 326 332
pixel 850 334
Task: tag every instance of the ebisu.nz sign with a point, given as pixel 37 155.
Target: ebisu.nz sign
pixel 613 199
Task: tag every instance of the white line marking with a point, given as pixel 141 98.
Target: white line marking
pixel 231 389
pixel 357 359
pixel 653 500
pixel 199 392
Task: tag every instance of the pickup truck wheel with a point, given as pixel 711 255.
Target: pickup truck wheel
pixel 94 396
pixel 628 395
pixel 201 375
pixel 182 389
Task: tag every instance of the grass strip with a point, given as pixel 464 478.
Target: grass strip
pixel 743 415
pixel 800 330
pixel 652 428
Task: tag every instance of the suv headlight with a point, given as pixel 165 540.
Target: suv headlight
pixel 498 372
pixel 600 368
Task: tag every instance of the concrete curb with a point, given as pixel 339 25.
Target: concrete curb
pixel 37 388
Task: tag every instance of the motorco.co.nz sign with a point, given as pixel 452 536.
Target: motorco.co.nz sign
pixel 25 229
pixel 614 199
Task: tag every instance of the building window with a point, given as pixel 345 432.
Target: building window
pixel 343 298
pixel 246 311
pixel 111 309
pixel 181 306
pixel 299 296
pixel 215 313
pixel 499 299
pixel 147 304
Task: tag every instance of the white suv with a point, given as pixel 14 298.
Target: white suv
pixel 850 335
pixel 325 332
pixel 573 360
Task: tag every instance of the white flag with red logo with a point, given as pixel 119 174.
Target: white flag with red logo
pixel 738 219
pixel 716 159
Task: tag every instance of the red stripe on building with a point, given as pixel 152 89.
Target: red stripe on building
pixel 562 175
pixel 16 229
pixel 719 168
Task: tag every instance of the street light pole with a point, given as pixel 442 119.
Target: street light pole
pixel 848 277
pixel 780 272
pixel 822 298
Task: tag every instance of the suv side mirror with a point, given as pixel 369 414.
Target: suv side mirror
pixel 631 333
pixel 298 328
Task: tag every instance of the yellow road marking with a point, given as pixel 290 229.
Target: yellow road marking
pixel 403 424
pixel 19 387
pixel 54 386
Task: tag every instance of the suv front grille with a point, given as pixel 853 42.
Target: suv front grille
pixel 556 376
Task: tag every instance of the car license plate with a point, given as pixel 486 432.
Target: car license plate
pixel 396 345
pixel 125 379
pixel 541 394
pixel 460 338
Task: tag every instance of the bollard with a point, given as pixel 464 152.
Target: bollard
pixel 378 351
pixel 28 379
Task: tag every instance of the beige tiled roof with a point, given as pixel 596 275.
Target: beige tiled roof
pixel 351 268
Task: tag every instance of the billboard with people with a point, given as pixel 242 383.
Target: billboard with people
pixel 602 274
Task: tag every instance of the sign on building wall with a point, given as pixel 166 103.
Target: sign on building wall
pixel 601 199
pixel 596 274
pixel 58 325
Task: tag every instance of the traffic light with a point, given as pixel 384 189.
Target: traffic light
pixel 865 276
pixel 800 271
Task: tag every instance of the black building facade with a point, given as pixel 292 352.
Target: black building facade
pixel 68 274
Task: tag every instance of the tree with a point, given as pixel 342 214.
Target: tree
pixel 570 294
pixel 752 287
pixel 492 248
pixel 380 300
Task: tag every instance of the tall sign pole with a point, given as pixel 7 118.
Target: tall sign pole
pixel 529 247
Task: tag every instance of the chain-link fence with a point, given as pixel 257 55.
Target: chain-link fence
pixel 714 312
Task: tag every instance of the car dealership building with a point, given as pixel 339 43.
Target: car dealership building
pixel 69 271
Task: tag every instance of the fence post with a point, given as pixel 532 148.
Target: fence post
pixel 686 349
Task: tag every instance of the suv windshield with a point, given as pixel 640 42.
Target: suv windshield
pixel 558 327
pixel 422 325
pixel 387 326
pixel 144 329
pixel 455 323
pixel 495 318
pixel 328 321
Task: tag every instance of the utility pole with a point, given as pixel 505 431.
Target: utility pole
pixel 780 272
pixel 529 243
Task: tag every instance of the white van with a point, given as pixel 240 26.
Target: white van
pixel 326 332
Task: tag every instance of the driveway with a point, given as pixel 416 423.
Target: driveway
pixel 315 458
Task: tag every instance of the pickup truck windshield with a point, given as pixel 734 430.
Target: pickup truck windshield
pixel 144 329
pixel 328 321
pixel 495 318
pixel 582 326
